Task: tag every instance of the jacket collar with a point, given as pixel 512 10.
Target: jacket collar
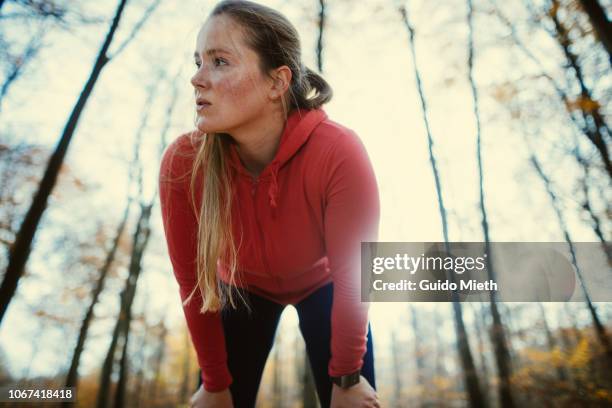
pixel 298 128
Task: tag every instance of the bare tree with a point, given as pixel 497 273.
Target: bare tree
pixel 139 243
pixel 596 128
pixel 20 251
pixel 588 117
pixel 465 355
pixel 600 329
pixel 498 335
pixel 72 377
pixel 551 341
pixel 159 356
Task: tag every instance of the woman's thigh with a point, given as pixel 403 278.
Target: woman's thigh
pixel 315 324
pixel 248 340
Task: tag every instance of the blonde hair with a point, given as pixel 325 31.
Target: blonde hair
pixel 277 43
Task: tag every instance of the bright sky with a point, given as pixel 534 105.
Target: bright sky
pixel 368 63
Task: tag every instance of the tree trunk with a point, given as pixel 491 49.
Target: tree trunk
pixel 470 377
pixel 322 15
pixel 596 128
pixel 72 377
pixel 141 369
pixel 140 240
pixel 600 22
pixel 120 392
pixel 586 204
pixel 498 335
pixel 600 330
pixel 551 342
pixel 159 359
pixel 20 251
pixel 479 323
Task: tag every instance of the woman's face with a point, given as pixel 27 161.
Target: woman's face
pixel 230 89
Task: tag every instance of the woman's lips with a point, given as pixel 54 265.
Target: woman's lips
pixel 202 106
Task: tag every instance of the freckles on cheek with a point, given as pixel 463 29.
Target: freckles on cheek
pixel 236 88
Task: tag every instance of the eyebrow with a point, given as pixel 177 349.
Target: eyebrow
pixel 213 51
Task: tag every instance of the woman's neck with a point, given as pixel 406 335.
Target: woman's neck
pixel 258 142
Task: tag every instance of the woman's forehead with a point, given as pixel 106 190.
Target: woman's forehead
pixel 220 35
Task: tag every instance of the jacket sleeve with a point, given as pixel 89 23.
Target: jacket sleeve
pixel 352 213
pixel 180 227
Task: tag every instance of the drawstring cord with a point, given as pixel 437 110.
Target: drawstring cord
pixel 273 189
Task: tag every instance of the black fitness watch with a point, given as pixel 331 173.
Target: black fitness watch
pixel 347 381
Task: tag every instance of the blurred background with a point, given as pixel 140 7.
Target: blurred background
pixel 484 120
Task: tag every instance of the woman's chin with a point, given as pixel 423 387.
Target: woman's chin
pixel 203 126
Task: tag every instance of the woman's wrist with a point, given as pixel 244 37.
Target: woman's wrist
pixel 346 381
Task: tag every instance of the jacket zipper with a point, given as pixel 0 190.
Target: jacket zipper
pixel 254 186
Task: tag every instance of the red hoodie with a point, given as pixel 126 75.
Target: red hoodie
pixel 300 224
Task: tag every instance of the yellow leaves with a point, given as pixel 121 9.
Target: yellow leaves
pixel 581 355
pixel 585 104
pixel 604 395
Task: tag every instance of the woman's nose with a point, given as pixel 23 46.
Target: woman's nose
pixel 200 78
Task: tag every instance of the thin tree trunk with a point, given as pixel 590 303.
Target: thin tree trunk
pixel 20 251
pixel 142 365
pixel 159 359
pixel 140 240
pixel 470 377
pixel 322 17
pixel 584 127
pixel 498 335
pixel 550 341
pixel 595 124
pixel 72 377
pixel 600 22
pixel 586 204
pixel 479 323
pixel 600 329
pixel 120 392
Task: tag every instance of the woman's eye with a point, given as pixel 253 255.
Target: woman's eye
pixel 198 64
pixel 220 60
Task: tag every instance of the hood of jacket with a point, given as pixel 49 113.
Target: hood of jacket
pixel 298 128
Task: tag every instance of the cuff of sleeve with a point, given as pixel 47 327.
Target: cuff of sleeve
pixel 333 371
pixel 216 380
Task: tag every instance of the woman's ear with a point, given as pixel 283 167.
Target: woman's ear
pixel 281 80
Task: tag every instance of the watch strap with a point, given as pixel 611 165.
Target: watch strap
pixel 348 380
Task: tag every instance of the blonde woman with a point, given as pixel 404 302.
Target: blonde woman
pixel 264 205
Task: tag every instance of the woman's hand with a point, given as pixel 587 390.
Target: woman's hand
pixel 360 395
pixel 207 399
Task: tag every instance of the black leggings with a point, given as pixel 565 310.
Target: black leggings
pixel 249 338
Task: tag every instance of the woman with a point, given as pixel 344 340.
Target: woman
pixel 264 205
